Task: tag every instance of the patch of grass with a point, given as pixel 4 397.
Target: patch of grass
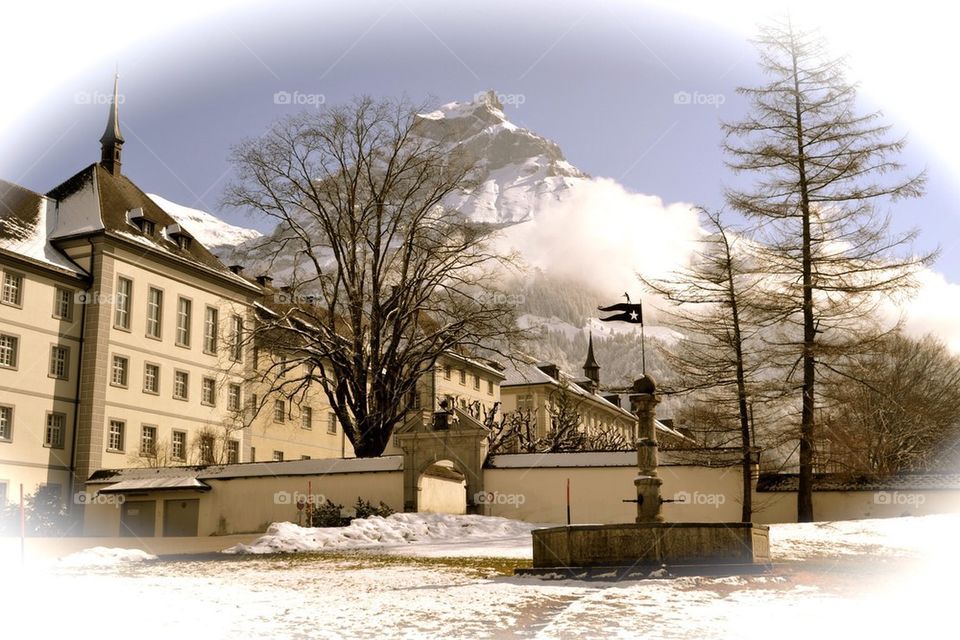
pixel 354 560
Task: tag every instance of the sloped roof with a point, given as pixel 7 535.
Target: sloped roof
pixel 27 220
pixel 316 466
pixel 776 482
pixel 112 197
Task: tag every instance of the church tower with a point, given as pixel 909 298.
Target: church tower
pixel 112 140
pixel 590 368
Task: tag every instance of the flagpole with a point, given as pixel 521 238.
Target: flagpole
pixel 643 350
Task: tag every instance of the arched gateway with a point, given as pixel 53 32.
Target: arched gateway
pixel 430 438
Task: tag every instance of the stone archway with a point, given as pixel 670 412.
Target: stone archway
pixel 429 438
pixel 442 488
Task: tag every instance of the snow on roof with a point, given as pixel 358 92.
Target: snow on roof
pixel 208 229
pixel 318 466
pixel 526 373
pixel 27 220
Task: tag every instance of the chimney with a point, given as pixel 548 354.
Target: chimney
pixel 237 269
pixel 265 281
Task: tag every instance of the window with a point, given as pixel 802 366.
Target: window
pixel 211 322
pixel 233 397
pixel 253 454
pixel 233 452
pixel 525 402
pixel 151 378
pixel 121 316
pixel 306 418
pixel 8 351
pixel 56 423
pixel 154 312
pixel 3 493
pixel 118 377
pixel 304 457
pixel 476 381
pixel 463 376
pixel 489 387
pixel 208 392
pixel 446 371
pixel 181 384
pixel 236 339
pixel 206 449
pixel 147 227
pixel 59 362
pixel 279 411
pixel 178 448
pixel 331 422
pixel 148 440
pixel 6 424
pixel 115 435
pixel 278 456
pixel 183 242
pixel 184 311
pixel 63 303
pixel 12 289
pixel 414 399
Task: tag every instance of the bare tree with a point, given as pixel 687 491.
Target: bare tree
pixel 381 276
pixel 893 409
pixel 714 305
pixel 820 169
pixel 566 423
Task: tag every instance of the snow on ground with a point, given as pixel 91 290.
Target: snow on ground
pixel 846 580
pixel 104 557
pixel 426 534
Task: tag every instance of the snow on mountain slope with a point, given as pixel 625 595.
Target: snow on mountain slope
pixel 210 231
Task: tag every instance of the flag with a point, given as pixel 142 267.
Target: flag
pixel 627 312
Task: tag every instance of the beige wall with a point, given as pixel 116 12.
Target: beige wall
pixel 243 505
pixel 597 494
pixel 776 507
pixel 29 389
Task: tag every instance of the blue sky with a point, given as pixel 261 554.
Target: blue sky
pixel 599 79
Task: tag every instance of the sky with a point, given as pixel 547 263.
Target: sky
pixel 599 78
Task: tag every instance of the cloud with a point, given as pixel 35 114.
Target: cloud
pixel 603 235
pixel 935 308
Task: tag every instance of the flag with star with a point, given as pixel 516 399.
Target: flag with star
pixel 625 312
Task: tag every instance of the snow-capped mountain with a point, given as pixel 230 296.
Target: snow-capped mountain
pixel 209 230
pixel 582 237
pixel 519 171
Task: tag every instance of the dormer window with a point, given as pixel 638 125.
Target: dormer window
pixel 147 227
pixel 137 218
pixel 180 236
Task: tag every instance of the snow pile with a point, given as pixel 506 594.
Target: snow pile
pixel 105 557
pixel 397 529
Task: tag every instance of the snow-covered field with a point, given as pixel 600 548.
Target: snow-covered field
pixel 860 579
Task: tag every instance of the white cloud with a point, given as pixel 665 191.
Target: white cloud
pixel 603 235
pixel 935 309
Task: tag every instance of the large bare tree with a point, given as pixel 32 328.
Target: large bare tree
pixel 713 303
pixel 819 172
pixel 894 409
pixel 380 276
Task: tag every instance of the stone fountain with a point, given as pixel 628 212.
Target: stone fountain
pixel 649 541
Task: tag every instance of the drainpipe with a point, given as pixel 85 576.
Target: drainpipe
pixel 76 396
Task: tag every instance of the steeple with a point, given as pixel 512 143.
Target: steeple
pixel 590 368
pixel 112 140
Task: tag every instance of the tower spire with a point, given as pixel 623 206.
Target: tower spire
pixel 590 368
pixel 111 141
